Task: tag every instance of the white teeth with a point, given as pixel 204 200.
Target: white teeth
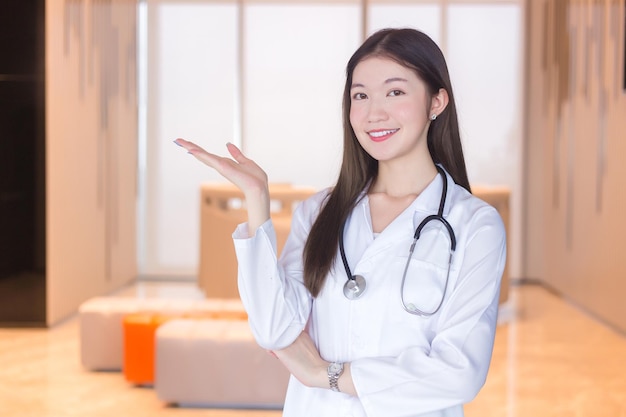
pixel 382 133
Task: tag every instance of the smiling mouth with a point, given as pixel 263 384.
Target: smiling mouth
pixel 380 135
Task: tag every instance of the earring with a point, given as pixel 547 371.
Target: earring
pixel 433 117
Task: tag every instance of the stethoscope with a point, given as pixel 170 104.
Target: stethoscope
pixel 355 285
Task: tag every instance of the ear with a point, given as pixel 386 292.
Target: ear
pixel 439 102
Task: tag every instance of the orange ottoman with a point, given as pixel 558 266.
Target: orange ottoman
pixel 139 331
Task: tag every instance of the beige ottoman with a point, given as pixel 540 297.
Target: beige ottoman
pixel 101 330
pixel 216 363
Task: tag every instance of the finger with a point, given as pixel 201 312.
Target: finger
pixel 236 153
pixel 243 160
pixel 207 157
pixel 184 143
pixel 189 146
pixel 199 153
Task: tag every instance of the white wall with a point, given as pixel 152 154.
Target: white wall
pixel 484 49
pixel 294 68
pixel 269 76
pixel 192 67
pixel 283 108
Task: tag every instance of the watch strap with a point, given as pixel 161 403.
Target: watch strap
pixel 333 377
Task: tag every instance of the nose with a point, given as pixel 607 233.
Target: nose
pixel 376 111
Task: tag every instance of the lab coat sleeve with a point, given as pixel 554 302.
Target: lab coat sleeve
pixel 273 292
pixel 455 367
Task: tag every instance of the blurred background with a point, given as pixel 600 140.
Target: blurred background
pixel 94 196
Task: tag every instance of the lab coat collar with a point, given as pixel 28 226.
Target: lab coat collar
pixel 425 204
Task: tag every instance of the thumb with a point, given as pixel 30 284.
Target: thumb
pixel 235 152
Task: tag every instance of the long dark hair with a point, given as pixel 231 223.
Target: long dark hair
pixel 412 49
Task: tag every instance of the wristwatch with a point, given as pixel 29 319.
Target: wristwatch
pixel 335 369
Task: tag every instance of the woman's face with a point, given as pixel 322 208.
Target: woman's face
pixel 389 109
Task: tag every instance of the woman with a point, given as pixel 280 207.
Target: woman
pixel 385 298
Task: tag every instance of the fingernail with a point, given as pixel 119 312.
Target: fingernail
pixel 177 143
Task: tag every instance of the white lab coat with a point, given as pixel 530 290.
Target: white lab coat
pixel 402 364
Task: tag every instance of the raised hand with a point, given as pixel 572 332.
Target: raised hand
pixel 243 173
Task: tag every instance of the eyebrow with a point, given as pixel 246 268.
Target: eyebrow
pixel 387 81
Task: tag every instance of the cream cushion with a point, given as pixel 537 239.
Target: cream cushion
pixel 100 323
pixel 216 363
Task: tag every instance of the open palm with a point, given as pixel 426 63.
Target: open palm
pixel 244 173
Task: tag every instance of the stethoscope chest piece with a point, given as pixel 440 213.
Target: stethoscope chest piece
pixel 354 287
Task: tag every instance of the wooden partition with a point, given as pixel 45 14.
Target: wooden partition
pixel 222 209
pixel 91 150
pixel 574 167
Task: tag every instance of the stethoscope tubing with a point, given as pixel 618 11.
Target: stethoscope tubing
pixel 356 284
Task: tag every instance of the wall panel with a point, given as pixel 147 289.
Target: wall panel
pixel 576 129
pixel 91 150
pixel 192 92
pixel 484 52
pixel 294 73
pixel 425 17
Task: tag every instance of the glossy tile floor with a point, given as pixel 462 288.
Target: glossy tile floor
pixel 550 360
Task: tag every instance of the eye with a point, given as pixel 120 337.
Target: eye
pixel 395 93
pixel 359 96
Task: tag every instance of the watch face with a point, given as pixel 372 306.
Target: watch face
pixel 334 368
